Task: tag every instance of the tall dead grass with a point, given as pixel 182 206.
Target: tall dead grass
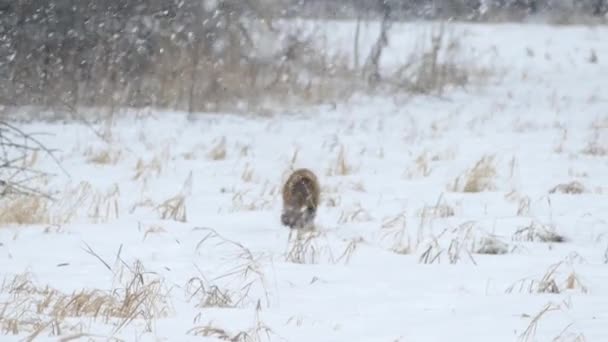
pixel 31 309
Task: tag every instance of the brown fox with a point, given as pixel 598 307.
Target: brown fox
pixel 300 199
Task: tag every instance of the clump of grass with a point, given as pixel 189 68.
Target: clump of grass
pixel 420 168
pixel 173 208
pixel 595 149
pixel 340 166
pixel 74 201
pixel 305 248
pixel 244 200
pixel 460 243
pixel 439 210
pixel 104 206
pixel 218 152
pixel 257 333
pixel 242 284
pixel 312 247
pixel 24 210
pixel 356 214
pixel 395 229
pixel 153 229
pixel 34 309
pixel 350 249
pixel 144 170
pixel 247 174
pixel 537 232
pixel 479 178
pixel 572 188
pixel 209 295
pixel 107 156
pixel 492 245
pixel 530 332
pixel 553 281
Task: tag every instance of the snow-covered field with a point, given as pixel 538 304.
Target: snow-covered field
pixel 442 219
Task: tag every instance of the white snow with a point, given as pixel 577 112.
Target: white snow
pixel 358 279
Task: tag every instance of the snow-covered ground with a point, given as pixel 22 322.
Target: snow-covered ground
pixel 442 219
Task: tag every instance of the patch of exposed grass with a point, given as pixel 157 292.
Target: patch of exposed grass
pixel 33 309
pixel 537 232
pixel 571 188
pixel 218 151
pixel 477 179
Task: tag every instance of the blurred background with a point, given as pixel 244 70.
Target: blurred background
pixel 209 55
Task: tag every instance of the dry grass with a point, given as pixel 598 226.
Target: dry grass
pixel 80 201
pixel 537 232
pixel 395 229
pixel 492 245
pixel 356 214
pixel 554 281
pixel 257 333
pixel 437 65
pixel 461 243
pixel 244 283
pixel 209 295
pixel 530 332
pixel 24 210
pixel 595 149
pixel 477 179
pixel 173 208
pixel 245 200
pixel 340 166
pixel 420 168
pixel 313 247
pixel 218 151
pixel 572 188
pixel 145 170
pixel 439 210
pixel 104 206
pixel 306 248
pixel 34 310
pixel 106 156
pixel 247 174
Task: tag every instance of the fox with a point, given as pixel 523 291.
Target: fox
pixel 301 193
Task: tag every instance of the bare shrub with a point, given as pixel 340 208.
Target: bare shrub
pixel 435 69
pixel 19 153
pixel 22 200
